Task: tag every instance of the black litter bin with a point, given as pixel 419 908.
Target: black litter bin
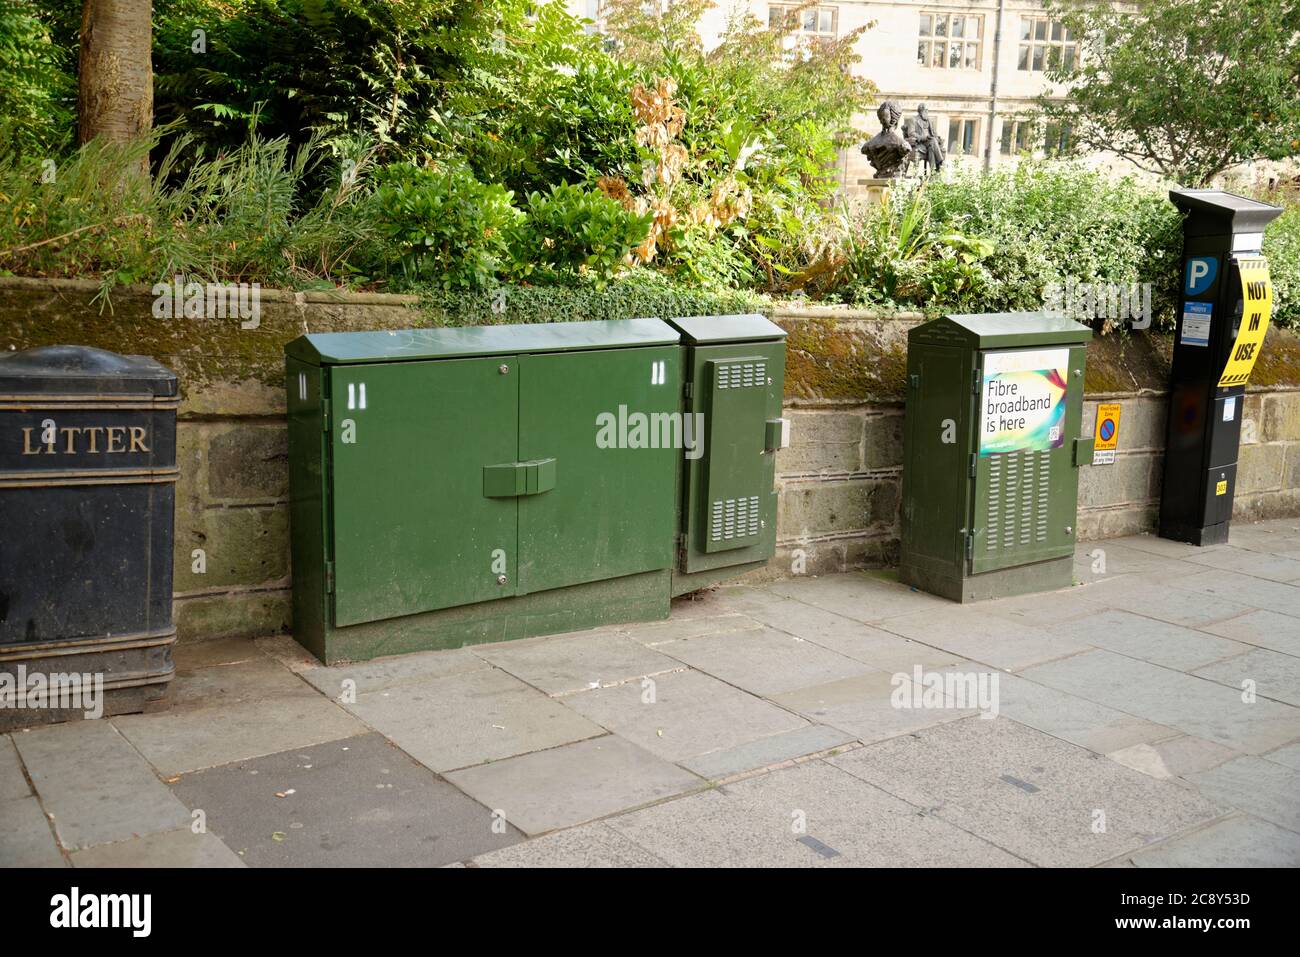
pixel 87 496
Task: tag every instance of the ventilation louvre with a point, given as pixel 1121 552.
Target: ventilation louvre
pixel 733 518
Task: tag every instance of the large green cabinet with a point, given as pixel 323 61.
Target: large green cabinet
pixel 476 484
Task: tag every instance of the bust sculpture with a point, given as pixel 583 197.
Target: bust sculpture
pixel 887 151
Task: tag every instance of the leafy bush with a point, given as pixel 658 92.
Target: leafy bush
pixel 35 88
pixel 1050 223
pixel 571 231
pixel 444 226
pixel 637 294
pixel 1282 247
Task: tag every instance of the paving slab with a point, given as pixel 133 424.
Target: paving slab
pixel 466 719
pixel 573 663
pixel 1045 608
pixel 659 632
pixel 193 655
pixel 358 802
pixel 864 707
pixel 1164 547
pixel 180 848
pixel 232 713
pixel 1255 592
pixel 1074 719
pixel 858 595
pixel 683 714
pixel 25 836
pixel 1028 792
pixel 286 651
pixel 767 752
pixel 1270 536
pixel 332 681
pixel 1150 639
pixel 1173 757
pixel 573 784
pixel 1247 562
pixel 1151 599
pixel 1265 629
pixel 1263 788
pixel 1288 755
pixel 590 845
pixel 979 636
pixel 1193 705
pixel 95 784
pixel 1108 558
pixel 763 660
pixel 808 815
pixel 13 782
pixel 1239 841
pixel 1275 675
pixel 854 639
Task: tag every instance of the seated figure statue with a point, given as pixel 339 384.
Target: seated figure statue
pixel 926 144
pixel 887 151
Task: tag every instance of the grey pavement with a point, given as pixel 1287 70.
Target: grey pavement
pixel 1148 716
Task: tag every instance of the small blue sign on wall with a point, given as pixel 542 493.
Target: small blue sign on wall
pixel 1200 275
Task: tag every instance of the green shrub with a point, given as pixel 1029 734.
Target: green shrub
pixel 1282 247
pixel 1051 223
pixel 573 232
pixel 639 293
pixel 443 226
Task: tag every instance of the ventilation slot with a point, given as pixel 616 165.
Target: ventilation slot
pixel 733 518
pixel 742 375
pixel 1019 490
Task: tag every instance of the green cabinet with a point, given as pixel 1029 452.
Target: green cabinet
pixel 735 377
pixel 451 486
pixel 991 453
pixel 452 469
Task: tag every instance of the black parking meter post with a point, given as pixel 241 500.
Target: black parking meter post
pixel 1222 232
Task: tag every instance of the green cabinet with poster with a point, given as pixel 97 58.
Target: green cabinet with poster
pixel 992 452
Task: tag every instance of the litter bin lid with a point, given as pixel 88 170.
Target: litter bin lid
pixel 1002 330
pixel 82 370
pixel 331 348
pixel 738 328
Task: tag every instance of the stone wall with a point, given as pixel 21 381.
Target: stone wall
pixel 839 482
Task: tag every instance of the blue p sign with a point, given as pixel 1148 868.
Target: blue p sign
pixel 1200 275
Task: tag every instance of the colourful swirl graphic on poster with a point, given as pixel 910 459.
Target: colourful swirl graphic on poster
pixel 1022 406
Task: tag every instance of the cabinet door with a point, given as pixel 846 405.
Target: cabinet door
pixel 1026 481
pixel 730 496
pixel 412 528
pixel 610 420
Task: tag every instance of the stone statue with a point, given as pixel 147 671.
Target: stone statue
pixel 926 144
pixel 887 151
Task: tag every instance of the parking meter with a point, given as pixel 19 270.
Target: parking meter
pixel 1223 314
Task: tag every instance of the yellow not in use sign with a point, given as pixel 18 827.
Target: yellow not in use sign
pixel 1257 304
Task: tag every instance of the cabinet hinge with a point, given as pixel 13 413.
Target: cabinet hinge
pixel 329 578
pixel 325 415
pixel 975 381
pixel 974 460
pixel 970 546
pixel 688 390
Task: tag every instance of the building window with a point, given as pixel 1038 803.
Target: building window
pixel 1056 139
pixel 951 41
pixel 1046 44
pixel 963 135
pixel 820 22
pixel 1017 136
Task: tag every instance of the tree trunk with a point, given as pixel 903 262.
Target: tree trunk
pixel 115 99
